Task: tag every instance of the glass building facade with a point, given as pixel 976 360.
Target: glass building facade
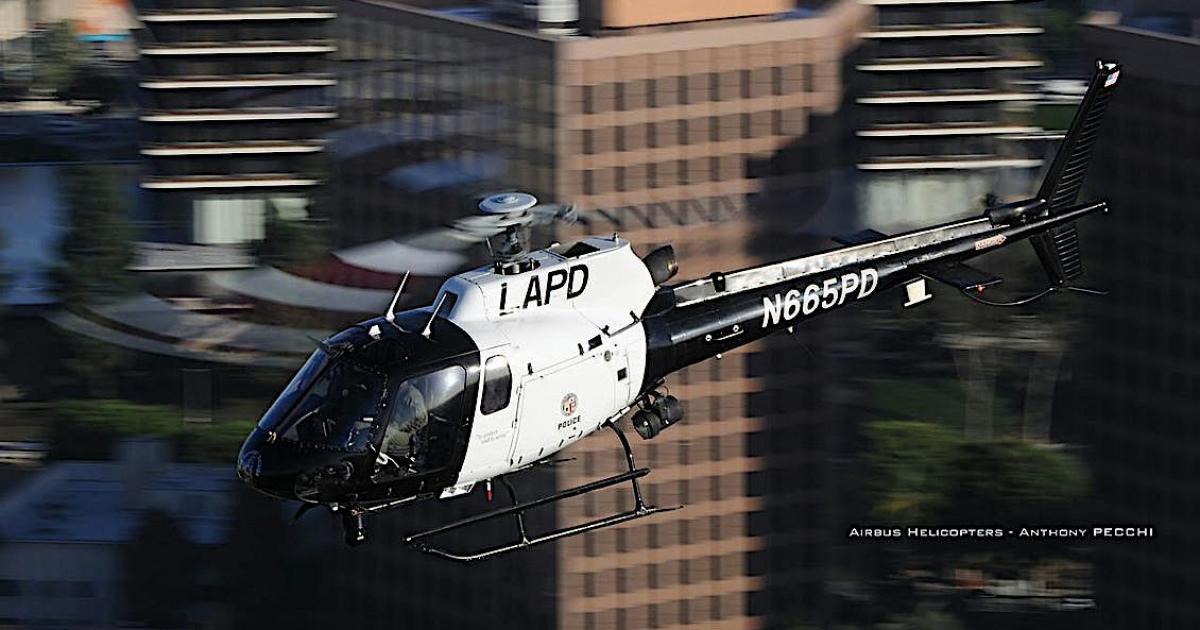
pixel 1137 391
pixel 942 106
pixel 235 103
pixel 708 136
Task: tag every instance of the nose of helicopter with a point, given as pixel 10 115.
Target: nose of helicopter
pixel 255 470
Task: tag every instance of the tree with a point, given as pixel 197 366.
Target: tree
pixel 98 245
pixel 1011 479
pixel 59 55
pixel 908 461
pixel 288 242
pixel 926 473
pixel 95 254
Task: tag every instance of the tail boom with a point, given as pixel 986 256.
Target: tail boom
pixel 682 332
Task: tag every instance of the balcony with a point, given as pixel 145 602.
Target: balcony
pixel 944 96
pixel 944 64
pixel 247 147
pixel 239 81
pixel 912 130
pixel 947 163
pixel 928 31
pixel 238 115
pixel 240 48
pixel 226 182
pixel 237 14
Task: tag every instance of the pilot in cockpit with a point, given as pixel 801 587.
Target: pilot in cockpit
pixel 403 440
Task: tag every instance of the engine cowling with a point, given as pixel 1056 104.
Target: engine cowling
pixel 662 264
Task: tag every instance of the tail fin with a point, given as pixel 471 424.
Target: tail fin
pixel 1058 249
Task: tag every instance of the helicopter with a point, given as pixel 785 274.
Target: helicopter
pixel 519 359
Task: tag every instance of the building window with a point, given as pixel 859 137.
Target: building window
pixel 619 96
pixel 651 93
pixel 714 86
pixel 589 182
pixel 589 99
pixel 777 81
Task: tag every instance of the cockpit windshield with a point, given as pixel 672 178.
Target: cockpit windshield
pixel 357 394
pixel 295 389
pixel 331 403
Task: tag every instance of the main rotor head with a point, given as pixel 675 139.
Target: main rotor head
pixel 507 215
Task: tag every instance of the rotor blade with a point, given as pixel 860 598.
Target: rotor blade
pixel 442 251
pixel 551 212
pixel 431 254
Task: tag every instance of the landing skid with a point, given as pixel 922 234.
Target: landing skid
pixel 640 510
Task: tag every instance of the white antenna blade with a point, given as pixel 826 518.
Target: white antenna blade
pixel 432 316
pixel 391 312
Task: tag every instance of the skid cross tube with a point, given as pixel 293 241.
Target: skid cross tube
pixel 640 510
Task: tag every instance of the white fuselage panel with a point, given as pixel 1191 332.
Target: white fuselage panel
pixel 571 334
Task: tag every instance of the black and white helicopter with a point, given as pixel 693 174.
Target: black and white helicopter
pixel 516 361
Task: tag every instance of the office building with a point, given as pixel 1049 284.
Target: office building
pixel 704 124
pixel 1137 391
pixel 944 117
pixel 235 104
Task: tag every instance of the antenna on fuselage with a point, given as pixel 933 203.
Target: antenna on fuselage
pixel 432 316
pixel 390 315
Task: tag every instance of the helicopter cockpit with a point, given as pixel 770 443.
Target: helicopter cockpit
pixel 369 408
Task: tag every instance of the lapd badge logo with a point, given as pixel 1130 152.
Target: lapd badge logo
pixel 569 403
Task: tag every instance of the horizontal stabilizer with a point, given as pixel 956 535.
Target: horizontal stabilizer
pixel 961 276
pixel 861 237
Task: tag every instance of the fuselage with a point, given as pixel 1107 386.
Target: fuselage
pixel 506 369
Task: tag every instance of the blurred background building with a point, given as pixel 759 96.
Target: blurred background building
pixel 698 125
pixel 235 103
pixel 1137 390
pixel 244 143
pixel 944 108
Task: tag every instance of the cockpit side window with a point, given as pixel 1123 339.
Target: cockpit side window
pixel 497 385
pixel 424 415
